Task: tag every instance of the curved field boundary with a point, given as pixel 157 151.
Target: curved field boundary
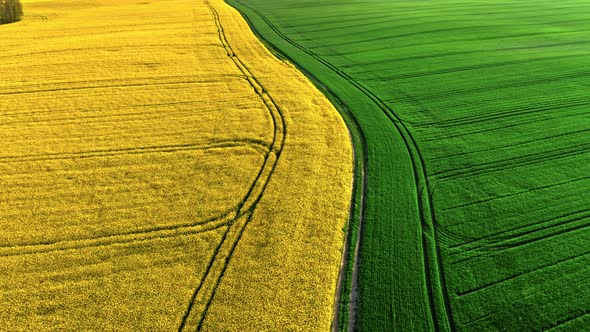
pixel 198 306
pixel 377 307
pixel 346 297
pixel 261 230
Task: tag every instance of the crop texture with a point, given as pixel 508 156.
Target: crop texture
pixel 161 170
pixel 471 124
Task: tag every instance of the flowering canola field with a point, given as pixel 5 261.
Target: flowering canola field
pixel 161 170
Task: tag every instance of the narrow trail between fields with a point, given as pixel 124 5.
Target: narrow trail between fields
pixel 358 204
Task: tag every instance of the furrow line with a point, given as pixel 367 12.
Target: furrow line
pixel 530 141
pixel 514 276
pixel 504 126
pixel 487 250
pixel 477 39
pixel 519 231
pixel 503 85
pixel 469 68
pixel 518 193
pixel 517 162
pixel 468 120
pixel 254 144
pixel 115 239
pixel 567 320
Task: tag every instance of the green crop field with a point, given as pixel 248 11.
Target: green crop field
pixel 471 121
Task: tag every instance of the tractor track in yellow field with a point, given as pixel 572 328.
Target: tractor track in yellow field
pixel 245 210
pixel 140 235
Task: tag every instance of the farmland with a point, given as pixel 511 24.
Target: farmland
pixel 472 131
pixel 161 170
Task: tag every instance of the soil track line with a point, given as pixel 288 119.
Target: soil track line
pixel 245 211
pixel 432 256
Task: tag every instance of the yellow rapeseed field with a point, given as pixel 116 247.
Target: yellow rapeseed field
pixel 161 170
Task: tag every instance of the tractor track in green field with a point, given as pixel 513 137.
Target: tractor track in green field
pixel 567 320
pixel 245 211
pixel 442 317
pixel 512 163
pixel 520 236
pixel 366 50
pixel 259 146
pixel 550 105
pixel 517 275
pixel 502 115
pixel 522 192
pixel 524 142
pixel 470 68
pixel 512 125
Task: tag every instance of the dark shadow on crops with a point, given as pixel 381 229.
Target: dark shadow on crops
pixel 10 11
